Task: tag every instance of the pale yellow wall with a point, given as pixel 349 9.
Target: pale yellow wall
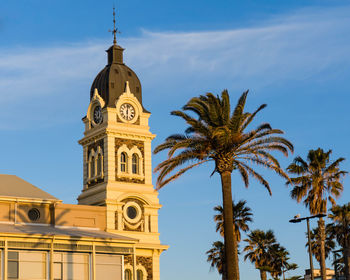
pixel 14 211
pixel 59 214
pixel 5 210
pixel 22 213
pixel 17 211
pixel 80 215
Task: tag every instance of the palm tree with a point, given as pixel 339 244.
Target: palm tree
pixel 318 180
pixel 341 227
pixel 259 248
pixel 219 136
pixel 279 261
pixel 315 236
pixel 216 257
pixel 267 254
pixel 338 264
pixel 242 215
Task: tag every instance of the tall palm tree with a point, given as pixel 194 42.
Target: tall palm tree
pixel 259 248
pixel 215 134
pixel 317 181
pixel 341 217
pixel 315 236
pixel 216 257
pixel 242 215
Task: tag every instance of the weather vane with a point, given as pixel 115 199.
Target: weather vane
pixel 115 30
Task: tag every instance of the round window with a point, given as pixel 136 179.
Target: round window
pixel 132 212
pixel 34 214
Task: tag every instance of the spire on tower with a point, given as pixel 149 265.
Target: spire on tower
pixel 115 52
pixel 115 30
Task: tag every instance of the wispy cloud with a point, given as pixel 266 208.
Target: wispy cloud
pixel 296 47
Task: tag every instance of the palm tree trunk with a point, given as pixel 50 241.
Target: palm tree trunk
pixel 236 252
pixel 322 248
pixel 346 252
pixel 229 233
pixel 236 256
pixel 263 274
pixel 347 263
pixel 224 274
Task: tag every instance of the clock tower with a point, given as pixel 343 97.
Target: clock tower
pixel 117 163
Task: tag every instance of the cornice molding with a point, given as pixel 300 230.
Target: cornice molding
pixel 92 191
pixel 92 138
pixel 132 136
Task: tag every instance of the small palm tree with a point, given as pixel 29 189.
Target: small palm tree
pixel 315 236
pixel 259 248
pixel 338 264
pixel 267 254
pixel 341 227
pixel 242 215
pixel 317 181
pixel 279 261
pixel 216 258
pixel 218 135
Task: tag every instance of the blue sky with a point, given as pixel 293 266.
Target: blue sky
pixel 292 55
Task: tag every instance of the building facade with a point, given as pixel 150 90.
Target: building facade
pixel 330 275
pixel 113 231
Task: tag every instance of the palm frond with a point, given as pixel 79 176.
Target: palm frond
pixel 161 183
pixel 251 117
pixel 317 180
pixel 257 176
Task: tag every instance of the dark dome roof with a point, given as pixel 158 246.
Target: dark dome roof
pixel 111 81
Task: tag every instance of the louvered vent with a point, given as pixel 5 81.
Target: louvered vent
pixel 28 245
pixel 107 249
pixel 72 247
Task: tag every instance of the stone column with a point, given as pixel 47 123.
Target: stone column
pixel 109 158
pixel 155 263
pixel 148 162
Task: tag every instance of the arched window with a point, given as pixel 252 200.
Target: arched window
pixel 129 165
pixel 139 274
pixel 92 167
pixel 127 274
pixel 135 164
pixel 87 176
pixel 123 162
pixel 99 165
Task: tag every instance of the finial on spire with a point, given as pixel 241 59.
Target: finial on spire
pixel 115 30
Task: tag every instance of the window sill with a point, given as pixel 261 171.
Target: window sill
pixel 94 179
pixel 130 176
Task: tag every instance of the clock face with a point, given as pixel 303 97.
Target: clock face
pixel 127 111
pixel 97 115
